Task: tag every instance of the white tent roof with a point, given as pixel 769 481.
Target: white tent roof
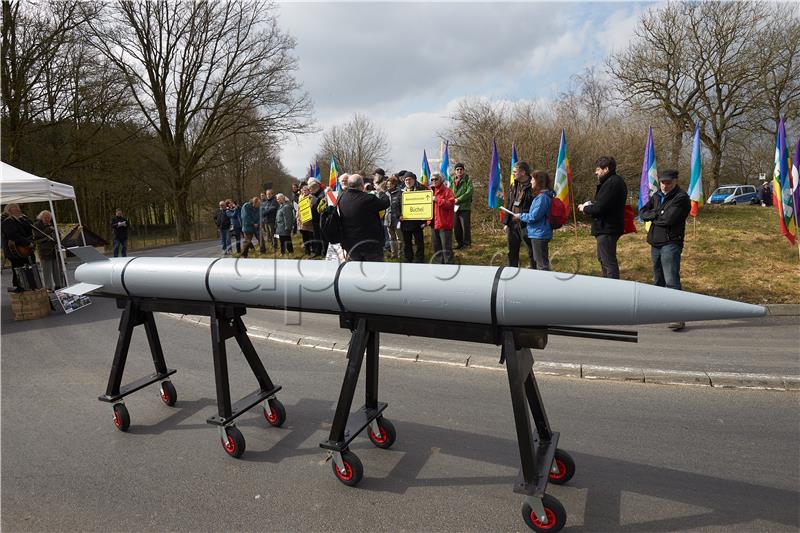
pixel 17 186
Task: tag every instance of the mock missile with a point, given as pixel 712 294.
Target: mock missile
pixel 520 297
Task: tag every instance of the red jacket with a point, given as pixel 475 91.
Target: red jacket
pixel 444 202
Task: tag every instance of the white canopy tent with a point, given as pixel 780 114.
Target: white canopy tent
pixel 19 187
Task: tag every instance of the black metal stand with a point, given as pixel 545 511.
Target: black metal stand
pixel 226 323
pixel 541 459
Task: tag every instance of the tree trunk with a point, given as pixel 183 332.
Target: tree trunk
pixel 183 218
pixel 677 146
pixel 716 164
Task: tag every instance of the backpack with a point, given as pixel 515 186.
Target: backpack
pixel 558 213
pixel 330 224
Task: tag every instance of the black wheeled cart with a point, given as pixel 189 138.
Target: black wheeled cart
pixel 226 323
pixel 541 459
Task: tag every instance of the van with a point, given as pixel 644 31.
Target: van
pixel 734 195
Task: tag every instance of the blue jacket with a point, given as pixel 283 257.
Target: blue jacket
pixel 235 218
pixel 250 218
pixel 538 218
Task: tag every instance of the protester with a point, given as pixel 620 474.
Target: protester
pixel 250 223
pixel 379 177
pixel 359 211
pixel 318 204
pixel 295 198
pixel 306 228
pixel 283 224
pixel 462 188
pixel 519 201
pixel 223 224
pixel 444 202
pixel 17 234
pixel 343 182
pixel 537 219
pixel 608 214
pixel 269 212
pixel 765 194
pixel 234 215
pixel 45 237
pixel 119 225
pixel 413 235
pixel 391 218
pixel 666 211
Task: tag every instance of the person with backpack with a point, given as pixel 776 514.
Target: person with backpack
pixel 519 201
pixel 538 219
pixel 360 220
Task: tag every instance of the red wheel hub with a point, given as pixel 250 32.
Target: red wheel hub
pixel 229 445
pixel 551 519
pixel 117 419
pixel 271 414
pixel 562 470
pixel 164 396
pixel 379 439
pixel 348 472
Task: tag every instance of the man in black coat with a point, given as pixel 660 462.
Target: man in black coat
pixel 318 203
pixel 119 225
pixel 223 224
pixel 17 235
pixel 608 214
pixel 666 211
pixel 519 200
pixel 413 234
pixel 362 229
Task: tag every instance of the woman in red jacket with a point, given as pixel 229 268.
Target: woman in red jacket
pixel 444 202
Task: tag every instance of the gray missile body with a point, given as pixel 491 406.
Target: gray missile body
pixel 444 292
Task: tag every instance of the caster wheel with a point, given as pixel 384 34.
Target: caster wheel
pixel 556 515
pixel 388 434
pixel 234 442
pixel 168 393
pixel 354 470
pixel 566 468
pixel 121 417
pixel 276 415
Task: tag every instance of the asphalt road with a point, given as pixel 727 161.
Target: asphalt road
pixel 649 458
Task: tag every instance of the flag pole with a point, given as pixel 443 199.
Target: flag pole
pixel 572 205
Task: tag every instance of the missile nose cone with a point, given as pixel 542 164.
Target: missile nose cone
pixel 657 304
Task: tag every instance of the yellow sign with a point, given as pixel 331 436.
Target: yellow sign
pixel 417 205
pixel 305 209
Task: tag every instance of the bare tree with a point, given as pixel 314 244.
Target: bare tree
pixel 358 145
pixel 201 73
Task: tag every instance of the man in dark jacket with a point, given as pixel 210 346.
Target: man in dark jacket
pixel 608 214
pixel 666 211
pixel 391 219
pixel 318 204
pixel 413 236
pixel 269 213
pixel 119 224
pixel 462 189
pixel 519 201
pixel 223 223
pixel 362 230
pixel 17 241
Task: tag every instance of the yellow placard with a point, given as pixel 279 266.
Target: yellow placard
pixel 417 205
pixel 304 205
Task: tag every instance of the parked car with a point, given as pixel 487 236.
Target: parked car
pixel 735 194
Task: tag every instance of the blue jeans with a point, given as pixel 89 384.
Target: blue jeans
pixel 225 239
pixel 121 246
pixel 667 265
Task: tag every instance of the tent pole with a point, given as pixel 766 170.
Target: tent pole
pixel 77 212
pixel 65 278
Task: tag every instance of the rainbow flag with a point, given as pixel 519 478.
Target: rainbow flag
pixel 443 168
pixel 513 163
pixel 563 179
pixel 696 182
pixel 495 180
pixel 333 176
pixel 781 189
pixel 425 173
pixel 796 182
pixel 649 183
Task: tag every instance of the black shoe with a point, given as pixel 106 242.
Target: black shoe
pixel 458 246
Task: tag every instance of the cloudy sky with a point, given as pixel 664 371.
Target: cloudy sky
pixel 406 65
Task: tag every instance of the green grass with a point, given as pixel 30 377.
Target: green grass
pixel 736 252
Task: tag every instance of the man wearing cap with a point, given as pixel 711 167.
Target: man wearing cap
pixel 413 235
pixel 666 211
pixel 462 189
